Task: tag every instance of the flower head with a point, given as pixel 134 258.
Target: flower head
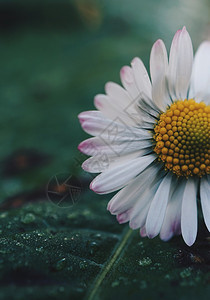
pixel 152 141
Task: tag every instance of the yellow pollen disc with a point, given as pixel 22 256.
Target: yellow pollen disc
pixel 182 138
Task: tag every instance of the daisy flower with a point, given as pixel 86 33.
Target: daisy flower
pixel 151 141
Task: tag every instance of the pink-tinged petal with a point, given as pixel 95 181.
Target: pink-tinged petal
pixel 180 64
pixel 98 145
pixel 91 114
pixel 103 127
pixel 158 71
pixel 90 146
pixel 126 75
pixel 128 81
pixel 103 103
pixel 98 101
pixel 124 217
pixel 205 201
pixel 143 232
pixel 189 212
pixel 141 78
pixel 116 178
pixel 158 60
pixel 96 124
pixel 106 106
pixel 200 87
pixel 158 207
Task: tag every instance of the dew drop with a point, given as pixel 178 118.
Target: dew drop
pixel 28 218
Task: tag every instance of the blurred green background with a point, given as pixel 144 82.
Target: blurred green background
pixel 54 57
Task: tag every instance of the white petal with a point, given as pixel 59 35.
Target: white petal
pixel 129 195
pixel 172 220
pixel 200 81
pixel 136 81
pixel 189 212
pixel 139 220
pixel 96 164
pixel 140 210
pixel 102 161
pixel 122 99
pixel 104 104
pixel 117 94
pixel 158 71
pixel 112 110
pixel 158 207
pixel 180 64
pixel 173 64
pixel 97 146
pixel 119 176
pixel 94 122
pixel 205 201
pixel 111 130
pixel 141 77
pixel 128 81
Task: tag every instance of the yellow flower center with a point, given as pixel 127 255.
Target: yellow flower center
pixel 182 138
